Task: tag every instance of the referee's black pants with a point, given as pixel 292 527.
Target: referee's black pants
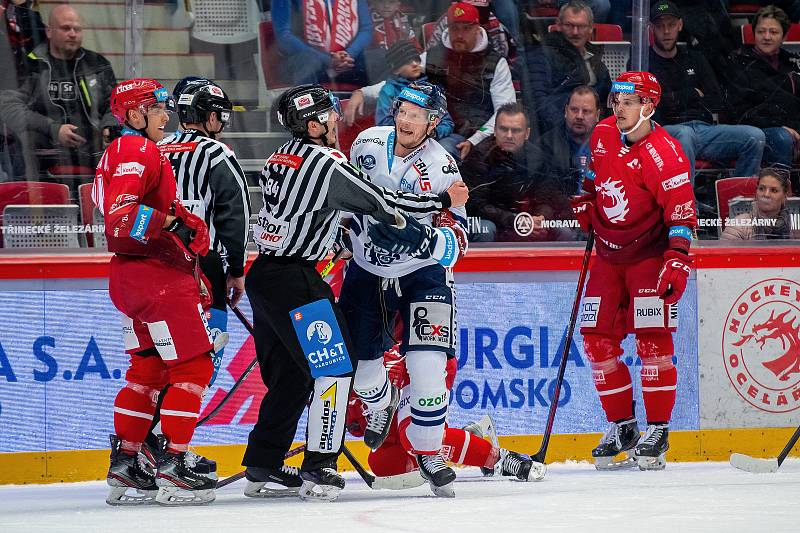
pixel 276 286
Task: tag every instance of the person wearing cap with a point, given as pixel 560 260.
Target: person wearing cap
pixel 639 204
pixel 564 60
pixel 692 102
pixel 406 66
pixel 502 38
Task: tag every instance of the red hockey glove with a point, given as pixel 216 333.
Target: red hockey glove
pixel 582 206
pixel 674 273
pixel 356 422
pixel 395 364
pixel 445 219
pixel 190 229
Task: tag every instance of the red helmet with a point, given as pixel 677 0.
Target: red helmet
pixel 642 83
pixel 138 93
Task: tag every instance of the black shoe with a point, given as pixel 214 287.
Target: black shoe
pixel 439 475
pixel 129 471
pixel 185 478
pixel 379 422
pixel 651 449
pixel 272 482
pixel 520 466
pixel 151 450
pixel 321 484
pixel 620 437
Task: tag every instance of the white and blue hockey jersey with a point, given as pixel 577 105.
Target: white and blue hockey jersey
pixel 428 169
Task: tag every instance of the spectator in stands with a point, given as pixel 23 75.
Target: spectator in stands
pixel 566 148
pixel 63 103
pixel 390 24
pixel 476 79
pixel 323 40
pixel 764 87
pixel 707 29
pixel 691 97
pixel 790 7
pixel 25 30
pixel 406 66
pixel 504 173
pixel 770 205
pixel 600 9
pixel 500 38
pixel 563 61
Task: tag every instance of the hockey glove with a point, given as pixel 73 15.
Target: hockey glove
pixel 190 229
pixel 582 206
pixel 204 286
pixel 674 273
pixel 417 240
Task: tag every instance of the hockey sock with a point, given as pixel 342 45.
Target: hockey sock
pixel 391 460
pixel 611 378
pixel 181 404
pixel 464 448
pixel 133 413
pixel 659 375
pixel 372 385
pixel 428 400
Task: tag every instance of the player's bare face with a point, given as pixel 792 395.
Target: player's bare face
pixel 626 108
pixel 157 118
pixel 665 32
pixel 770 196
pixel 768 36
pixel 411 124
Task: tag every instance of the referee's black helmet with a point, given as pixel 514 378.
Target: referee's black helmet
pixel 199 100
pixel 298 105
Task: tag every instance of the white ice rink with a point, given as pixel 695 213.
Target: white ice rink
pixel 573 497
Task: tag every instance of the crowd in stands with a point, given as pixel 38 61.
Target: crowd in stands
pixel 526 81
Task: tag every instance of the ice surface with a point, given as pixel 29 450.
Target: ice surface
pixel 573 497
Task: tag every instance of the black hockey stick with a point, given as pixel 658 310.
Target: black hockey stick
pixel 764 466
pixel 408 480
pixel 587 254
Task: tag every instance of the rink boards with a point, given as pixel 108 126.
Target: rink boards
pixel 737 352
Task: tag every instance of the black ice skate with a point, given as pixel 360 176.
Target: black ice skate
pixel 439 475
pixel 520 466
pixel 379 422
pixel 131 479
pixel 272 482
pixel 151 450
pixel 620 437
pixel 651 449
pixel 185 478
pixel 322 484
pixel 485 429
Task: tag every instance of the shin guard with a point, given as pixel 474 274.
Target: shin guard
pixel 611 378
pixel 659 375
pixel 428 398
pixel 181 404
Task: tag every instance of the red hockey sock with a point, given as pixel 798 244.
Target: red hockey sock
pixel 464 448
pixel 181 404
pixel 659 375
pixel 391 460
pixel 133 413
pixel 611 378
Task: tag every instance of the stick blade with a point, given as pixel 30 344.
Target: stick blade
pixel 409 480
pixel 753 464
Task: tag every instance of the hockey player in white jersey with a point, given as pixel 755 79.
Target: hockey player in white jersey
pixel 416 282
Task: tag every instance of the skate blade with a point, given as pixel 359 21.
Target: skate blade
pixel 608 463
pixel 262 489
pixel 177 496
pixel 120 496
pixel 312 492
pixel 651 463
pixel 445 491
pixel 537 471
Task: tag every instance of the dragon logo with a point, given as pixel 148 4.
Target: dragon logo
pixel 761 345
pixel 613 192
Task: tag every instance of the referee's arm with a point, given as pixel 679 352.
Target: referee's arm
pixel 350 191
pixel 231 211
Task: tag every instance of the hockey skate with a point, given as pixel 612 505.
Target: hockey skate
pixel 185 478
pixel 380 421
pixel 651 450
pixel 520 466
pixel 271 482
pixel 438 474
pixel 131 479
pixel 620 437
pixel 485 429
pixel 322 484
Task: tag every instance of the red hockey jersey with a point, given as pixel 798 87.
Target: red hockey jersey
pixel 644 193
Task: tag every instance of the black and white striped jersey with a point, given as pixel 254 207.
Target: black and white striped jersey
pixel 306 189
pixel 212 185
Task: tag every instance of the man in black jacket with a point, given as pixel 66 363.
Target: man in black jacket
pixel 63 103
pixel 691 97
pixel 563 61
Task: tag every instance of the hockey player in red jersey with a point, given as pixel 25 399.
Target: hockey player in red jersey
pixel 155 282
pixel 640 206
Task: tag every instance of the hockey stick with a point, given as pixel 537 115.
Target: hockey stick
pixel 239 475
pixel 764 466
pixel 408 480
pixel 587 254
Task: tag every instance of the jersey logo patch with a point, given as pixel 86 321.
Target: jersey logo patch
pixel 683 211
pixel 615 192
pixel 675 181
pixel 123 169
pixel 287 160
pixel 177 147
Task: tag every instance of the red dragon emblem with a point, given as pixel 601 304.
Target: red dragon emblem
pixel 778 327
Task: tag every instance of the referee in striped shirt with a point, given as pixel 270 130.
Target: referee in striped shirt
pixel 307 185
pixel 212 185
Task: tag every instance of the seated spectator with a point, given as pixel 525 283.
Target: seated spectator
pixel 504 176
pixel 500 38
pixel 390 24
pixel 25 31
pixel 566 149
pixel 690 96
pixel 323 40
pixel 600 9
pixel 406 65
pixel 764 87
pixel 707 30
pixel 790 7
pixel 564 60
pixel 63 103
pixel 770 205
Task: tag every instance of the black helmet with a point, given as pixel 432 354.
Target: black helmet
pixel 186 82
pixel 199 100
pixel 298 105
pixel 426 95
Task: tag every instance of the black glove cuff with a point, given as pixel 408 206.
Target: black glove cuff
pixel 184 232
pixel 445 199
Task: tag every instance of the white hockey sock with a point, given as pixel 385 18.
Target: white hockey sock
pixel 429 397
pixel 371 384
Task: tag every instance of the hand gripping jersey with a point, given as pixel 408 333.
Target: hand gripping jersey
pixel 644 194
pixel 428 169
